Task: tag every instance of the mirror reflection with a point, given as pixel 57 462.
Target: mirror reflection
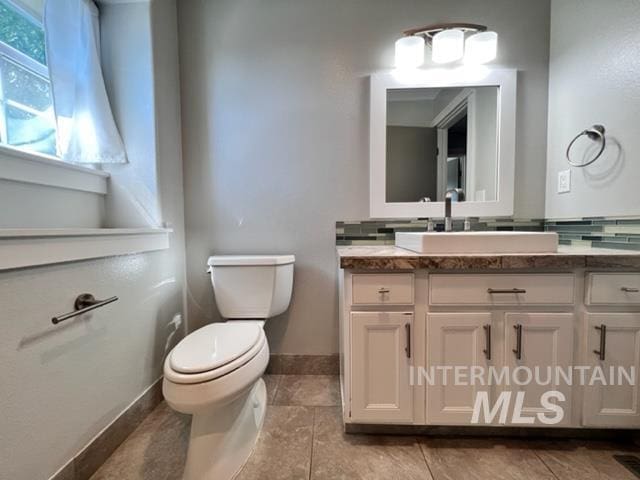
pixel 439 140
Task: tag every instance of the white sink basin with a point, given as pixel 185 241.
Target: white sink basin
pixel 478 242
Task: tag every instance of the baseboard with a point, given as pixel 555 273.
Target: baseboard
pixel 98 450
pixel 283 364
pixel 488 431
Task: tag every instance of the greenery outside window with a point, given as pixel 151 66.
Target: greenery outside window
pixel 27 120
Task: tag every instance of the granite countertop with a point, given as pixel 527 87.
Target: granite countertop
pixel 389 257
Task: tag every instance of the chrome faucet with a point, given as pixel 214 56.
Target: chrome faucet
pixel 455 194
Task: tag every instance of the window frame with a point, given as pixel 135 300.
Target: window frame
pixel 31 166
pixel 26 11
pixel 24 61
pixel 12 55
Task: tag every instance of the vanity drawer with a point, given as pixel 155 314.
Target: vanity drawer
pixel 613 289
pixel 489 289
pixel 377 289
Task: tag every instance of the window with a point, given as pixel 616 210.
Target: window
pixel 27 120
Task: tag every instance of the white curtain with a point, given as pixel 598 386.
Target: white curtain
pixel 86 130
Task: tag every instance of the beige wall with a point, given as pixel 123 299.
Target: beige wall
pixel 486 153
pixel 594 78
pixel 275 131
pixel 411 113
pixel 412 163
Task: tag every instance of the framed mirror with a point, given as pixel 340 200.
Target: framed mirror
pixel 434 135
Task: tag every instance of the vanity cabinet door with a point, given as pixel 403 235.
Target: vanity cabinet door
pixel 458 340
pixel 616 338
pixel 381 354
pixel 539 340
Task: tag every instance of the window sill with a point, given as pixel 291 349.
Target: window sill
pixel 28 167
pixel 31 247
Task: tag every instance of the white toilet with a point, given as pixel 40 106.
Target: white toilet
pixel 215 372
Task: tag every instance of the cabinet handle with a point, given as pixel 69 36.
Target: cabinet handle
pixel 518 349
pixel 407 348
pixel 487 337
pixel 603 342
pixel 383 290
pixel 630 290
pixel 492 291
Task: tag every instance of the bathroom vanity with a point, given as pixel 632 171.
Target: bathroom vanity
pixel 463 302
pixel 402 311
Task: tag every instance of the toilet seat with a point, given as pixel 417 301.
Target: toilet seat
pixel 213 351
pixel 213 346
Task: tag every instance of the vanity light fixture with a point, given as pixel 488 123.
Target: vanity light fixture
pixel 409 52
pixel 480 48
pixel 448 44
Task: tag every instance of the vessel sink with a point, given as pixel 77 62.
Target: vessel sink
pixel 461 243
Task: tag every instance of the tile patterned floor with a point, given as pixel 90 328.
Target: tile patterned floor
pixel 302 438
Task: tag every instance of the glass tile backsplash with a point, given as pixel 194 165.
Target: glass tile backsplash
pixel 597 232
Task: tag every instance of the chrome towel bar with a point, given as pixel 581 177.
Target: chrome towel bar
pixel 83 304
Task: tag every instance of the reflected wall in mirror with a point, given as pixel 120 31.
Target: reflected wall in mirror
pixel 441 139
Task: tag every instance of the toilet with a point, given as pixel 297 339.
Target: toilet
pixel 215 373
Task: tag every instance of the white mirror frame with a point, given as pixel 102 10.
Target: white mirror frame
pixel 506 80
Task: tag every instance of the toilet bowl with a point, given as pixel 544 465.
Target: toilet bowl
pixel 215 372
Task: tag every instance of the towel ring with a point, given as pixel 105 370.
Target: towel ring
pixel 595 133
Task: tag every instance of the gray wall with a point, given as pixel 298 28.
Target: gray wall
pixel 26 205
pixel 63 384
pixel 594 78
pixel 275 131
pixel 126 54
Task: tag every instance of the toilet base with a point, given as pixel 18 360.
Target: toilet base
pixel 222 440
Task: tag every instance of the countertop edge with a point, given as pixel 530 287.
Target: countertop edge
pixel 404 260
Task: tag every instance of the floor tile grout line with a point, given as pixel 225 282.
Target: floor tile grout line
pixel 545 464
pixel 313 438
pixel 424 457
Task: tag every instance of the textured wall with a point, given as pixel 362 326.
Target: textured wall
pixel 594 77
pixel 275 131
pixel 61 385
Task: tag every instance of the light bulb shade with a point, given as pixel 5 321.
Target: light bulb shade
pixel 447 46
pixel 481 48
pixel 409 52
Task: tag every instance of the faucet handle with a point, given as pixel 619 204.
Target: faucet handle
pixel 430 225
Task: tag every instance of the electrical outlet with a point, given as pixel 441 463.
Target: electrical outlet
pixel 564 181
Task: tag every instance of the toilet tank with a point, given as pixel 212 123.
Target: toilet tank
pixel 251 286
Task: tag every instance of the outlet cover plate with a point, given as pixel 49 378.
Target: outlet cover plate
pixel 564 181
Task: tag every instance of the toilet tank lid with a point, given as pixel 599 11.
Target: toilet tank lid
pixel 250 260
